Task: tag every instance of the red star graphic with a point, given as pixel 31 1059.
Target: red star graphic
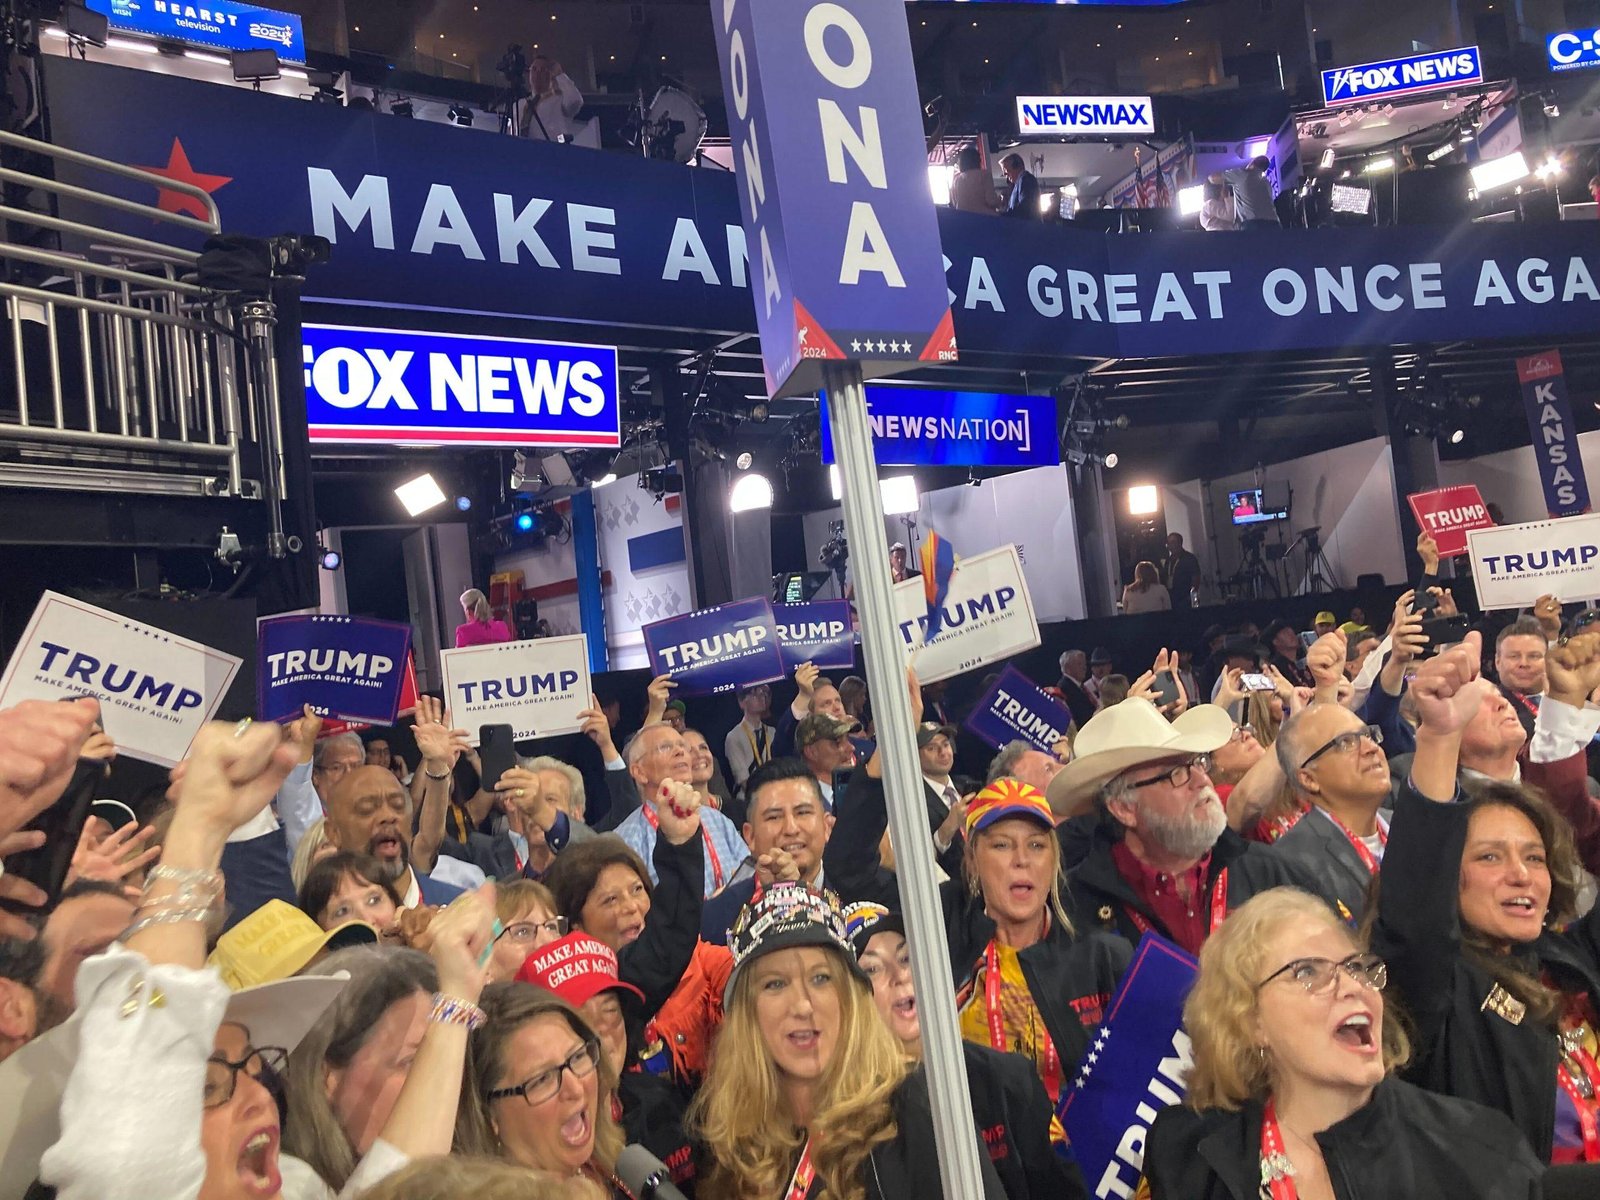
pixel 178 169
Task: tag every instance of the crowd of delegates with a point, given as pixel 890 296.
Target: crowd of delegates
pixel 323 969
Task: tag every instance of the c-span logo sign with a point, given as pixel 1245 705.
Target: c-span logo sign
pixel 1402 76
pixel 1044 115
pixel 1569 51
pixel 402 386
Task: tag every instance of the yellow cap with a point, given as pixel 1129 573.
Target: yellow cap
pixel 277 941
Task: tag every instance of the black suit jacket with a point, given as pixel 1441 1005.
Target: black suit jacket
pixel 1027 199
pixel 1079 703
pixel 938 810
pixel 1320 851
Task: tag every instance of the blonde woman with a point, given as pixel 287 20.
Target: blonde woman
pixel 480 627
pixel 809 1094
pixel 1292 1095
pixel 537 1089
pixel 482 1179
pixel 313 848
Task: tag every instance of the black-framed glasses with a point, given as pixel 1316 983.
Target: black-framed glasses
pixel 1178 776
pixel 263 1064
pixel 527 932
pixel 544 1086
pixel 1347 743
pixel 1317 975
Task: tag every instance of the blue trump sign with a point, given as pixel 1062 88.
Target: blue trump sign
pixel 399 386
pixel 819 632
pixel 916 427
pixel 347 667
pixel 1136 1067
pixel 1015 708
pixel 218 24
pixel 1402 76
pixel 1572 50
pixel 841 229
pixel 717 649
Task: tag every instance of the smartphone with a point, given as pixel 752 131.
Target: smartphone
pixel 1166 689
pixel 1442 632
pixel 1424 602
pixel 1257 683
pixel 46 868
pixel 496 752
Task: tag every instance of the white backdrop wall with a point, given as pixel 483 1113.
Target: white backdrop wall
pixel 624 512
pixel 1511 478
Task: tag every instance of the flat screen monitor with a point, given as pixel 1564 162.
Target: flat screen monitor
pixel 1247 508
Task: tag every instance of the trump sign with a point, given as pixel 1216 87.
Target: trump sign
pixel 1513 565
pixel 844 249
pixel 539 687
pixel 400 386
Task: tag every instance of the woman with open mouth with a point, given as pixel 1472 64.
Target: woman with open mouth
pixel 1292 1094
pixel 809 1094
pixel 1476 917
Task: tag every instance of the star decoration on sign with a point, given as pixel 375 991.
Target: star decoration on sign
pixel 179 170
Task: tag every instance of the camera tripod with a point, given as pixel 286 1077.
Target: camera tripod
pixel 1319 576
pixel 1254 580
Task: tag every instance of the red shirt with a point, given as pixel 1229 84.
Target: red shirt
pixel 1183 918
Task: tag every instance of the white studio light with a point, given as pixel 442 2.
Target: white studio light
pixel 608 477
pixel 1441 152
pixel 1378 166
pixel 940 178
pixel 1498 172
pixel 1144 500
pixel 899 494
pixel 1550 168
pixel 1190 199
pixel 420 494
pixel 1328 157
pixel 1111 461
pixel 750 492
pixel 1046 201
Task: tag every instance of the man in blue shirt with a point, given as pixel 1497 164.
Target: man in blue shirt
pixel 656 754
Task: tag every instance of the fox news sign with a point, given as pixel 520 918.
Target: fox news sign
pixel 1402 76
pixel 1570 51
pixel 410 386
pixel 1039 116
pixel 217 24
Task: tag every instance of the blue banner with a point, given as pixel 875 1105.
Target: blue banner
pixel 1015 707
pixel 1135 1068
pixel 1402 76
pixel 351 668
pixel 1571 51
pixel 1555 435
pixel 400 386
pixel 428 216
pixel 818 632
pixel 918 427
pixel 218 24
pixel 844 243
pixel 717 649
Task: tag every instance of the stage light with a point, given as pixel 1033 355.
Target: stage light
pixel 464 503
pixel 1190 199
pixel 329 560
pixel 1457 436
pixel 1441 152
pixel 608 477
pixel 1550 168
pixel 460 114
pixel 420 494
pixel 1144 501
pixel 1377 166
pixel 1498 172
pixel 744 461
pixel 1111 460
pixel 524 522
pixel 1046 199
pixel 899 494
pixel 1328 157
pixel 750 492
pixel 940 178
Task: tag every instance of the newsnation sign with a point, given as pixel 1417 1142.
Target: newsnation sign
pixel 429 217
pixel 1043 116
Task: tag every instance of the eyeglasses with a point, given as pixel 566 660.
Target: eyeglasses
pixel 1240 732
pixel 339 768
pixel 1317 975
pixel 544 1086
pixel 528 931
pixel 222 1076
pixel 1346 743
pixel 1178 776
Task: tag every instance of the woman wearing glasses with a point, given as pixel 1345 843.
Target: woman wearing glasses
pixel 1291 1095
pixel 535 1085
pixel 528 922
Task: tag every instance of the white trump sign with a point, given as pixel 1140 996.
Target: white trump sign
pixel 537 687
pixel 987 617
pixel 1513 565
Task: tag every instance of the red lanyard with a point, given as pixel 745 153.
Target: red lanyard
pixel 1588 1122
pixel 1368 859
pixel 1219 907
pixel 804 1173
pixel 997 1031
pixel 712 856
pixel 1277 1173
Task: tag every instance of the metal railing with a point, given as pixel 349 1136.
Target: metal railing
pixel 118 372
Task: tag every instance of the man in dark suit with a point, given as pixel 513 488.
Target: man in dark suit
pixel 1023 200
pixel 1074 670
pixel 943 793
pixel 1180 571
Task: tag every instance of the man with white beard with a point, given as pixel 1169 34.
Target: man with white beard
pixel 1162 858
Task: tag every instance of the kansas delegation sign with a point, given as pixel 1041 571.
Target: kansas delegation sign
pixel 400 386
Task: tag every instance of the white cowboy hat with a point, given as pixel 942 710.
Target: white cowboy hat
pixel 33 1079
pixel 1125 735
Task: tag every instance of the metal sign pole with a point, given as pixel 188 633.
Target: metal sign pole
pixel 959 1164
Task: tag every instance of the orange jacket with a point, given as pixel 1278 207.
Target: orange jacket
pixel 689 1018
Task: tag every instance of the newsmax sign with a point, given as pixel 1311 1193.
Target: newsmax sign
pixel 1045 115
pixel 415 387
pixel 1402 76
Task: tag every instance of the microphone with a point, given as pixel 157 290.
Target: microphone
pixel 645 1175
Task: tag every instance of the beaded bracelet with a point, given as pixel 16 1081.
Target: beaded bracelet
pixel 451 1010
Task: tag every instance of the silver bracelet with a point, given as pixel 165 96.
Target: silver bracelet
pixel 168 916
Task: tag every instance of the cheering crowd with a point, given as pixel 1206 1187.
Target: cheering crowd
pixel 320 968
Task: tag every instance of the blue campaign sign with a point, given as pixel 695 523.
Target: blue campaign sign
pixel 1555 434
pixel 1402 76
pixel 1135 1067
pixel 923 427
pixel 717 649
pixel 218 24
pixel 1573 50
pixel 844 241
pixel 818 632
pixel 1016 708
pixel 399 386
pixel 351 668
